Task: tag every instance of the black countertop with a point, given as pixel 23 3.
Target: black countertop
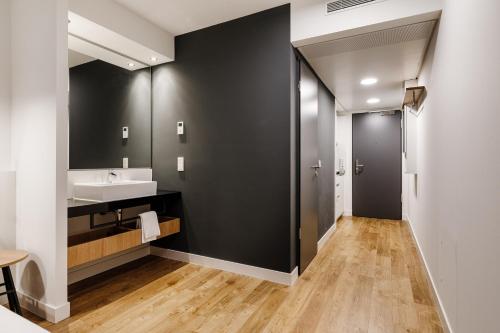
pixel 84 207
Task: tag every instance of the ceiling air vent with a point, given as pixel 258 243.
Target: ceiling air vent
pixel 335 6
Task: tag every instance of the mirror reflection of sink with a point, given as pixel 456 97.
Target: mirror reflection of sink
pixel 125 189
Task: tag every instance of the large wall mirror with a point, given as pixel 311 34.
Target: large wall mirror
pixel 109 114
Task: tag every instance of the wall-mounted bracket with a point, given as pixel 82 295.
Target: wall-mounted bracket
pixel 414 96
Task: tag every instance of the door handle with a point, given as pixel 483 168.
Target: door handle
pixel 358 167
pixel 316 167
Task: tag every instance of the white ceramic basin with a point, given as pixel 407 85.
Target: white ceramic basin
pixel 125 189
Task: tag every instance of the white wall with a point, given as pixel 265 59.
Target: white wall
pixel 453 202
pixel 39 150
pixel 344 136
pixel 7 210
pixel 5 85
pixel 7 176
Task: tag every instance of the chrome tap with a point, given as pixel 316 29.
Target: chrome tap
pixel 112 174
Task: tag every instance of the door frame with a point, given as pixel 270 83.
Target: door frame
pixel 298 59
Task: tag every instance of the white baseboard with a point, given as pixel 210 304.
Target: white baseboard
pixel 442 312
pixel 51 313
pixel 229 266
pixel 294 276
pixel 347 213
pixel 94 268
pixel 327 236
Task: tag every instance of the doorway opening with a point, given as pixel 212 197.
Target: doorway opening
pixel 367 71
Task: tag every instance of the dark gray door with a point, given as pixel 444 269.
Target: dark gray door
pixel 376 162
pixel 309 155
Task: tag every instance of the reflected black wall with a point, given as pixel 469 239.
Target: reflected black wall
pixel 103 98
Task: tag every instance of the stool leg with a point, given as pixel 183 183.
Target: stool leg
pixel 11 291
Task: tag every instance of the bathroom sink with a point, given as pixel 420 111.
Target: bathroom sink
pixel 119 190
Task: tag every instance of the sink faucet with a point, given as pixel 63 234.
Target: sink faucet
pixel 112 174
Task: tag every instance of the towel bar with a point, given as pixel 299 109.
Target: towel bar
pixel 119 221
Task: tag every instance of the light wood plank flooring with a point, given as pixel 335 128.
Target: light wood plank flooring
pixel 367 278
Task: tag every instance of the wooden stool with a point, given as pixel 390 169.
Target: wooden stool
pixel 8 258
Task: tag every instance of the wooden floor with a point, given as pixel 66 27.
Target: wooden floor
pixel 367 278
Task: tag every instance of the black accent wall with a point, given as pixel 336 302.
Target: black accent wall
pixel 103 98
pixel 231 85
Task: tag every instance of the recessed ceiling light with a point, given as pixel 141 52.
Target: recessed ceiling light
pixel 369 81
pixel 154 59
pixel 131 64
pixel 373 100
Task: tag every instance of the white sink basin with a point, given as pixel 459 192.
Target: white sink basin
pixel 125 189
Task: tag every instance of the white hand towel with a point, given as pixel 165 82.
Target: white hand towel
pixel 150 226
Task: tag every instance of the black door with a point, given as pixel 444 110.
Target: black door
pixel 376 162
pixel 309 166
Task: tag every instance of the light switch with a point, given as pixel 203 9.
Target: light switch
pixel 125 162
pixel 180 128
pixel 125 132
pixel 180 163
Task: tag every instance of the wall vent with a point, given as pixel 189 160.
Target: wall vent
pixel 338 5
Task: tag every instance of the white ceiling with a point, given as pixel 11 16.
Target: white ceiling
pixel 94 40
pixel 391 55
pixel 92 50
pixel 182 16
pixel 76 58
